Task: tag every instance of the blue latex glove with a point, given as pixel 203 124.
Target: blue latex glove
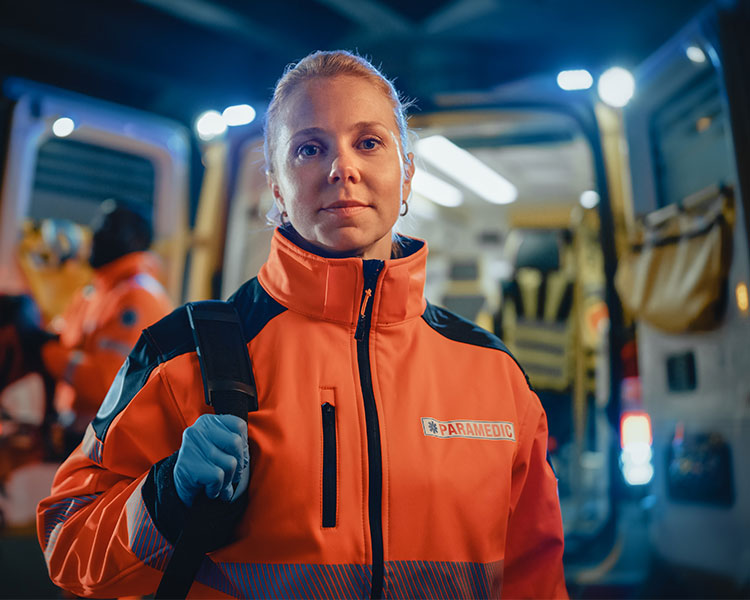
pixel 214 457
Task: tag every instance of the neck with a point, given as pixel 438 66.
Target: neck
pixel 290 233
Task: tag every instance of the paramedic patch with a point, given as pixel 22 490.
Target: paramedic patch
pixel 475 430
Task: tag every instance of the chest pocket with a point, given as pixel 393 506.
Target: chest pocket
pixel 329 474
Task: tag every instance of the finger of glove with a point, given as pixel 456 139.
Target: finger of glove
pixel 221 431
pixel 193 472
pixel 236 442
pixel 230 422
pixel 213 468
pixel 242 476
pixel 235 445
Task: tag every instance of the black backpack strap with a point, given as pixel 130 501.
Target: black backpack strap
pixel 228 382
pixel 229 387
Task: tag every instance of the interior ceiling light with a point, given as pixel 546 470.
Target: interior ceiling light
pixel 435 189
pixel 63 126
pixel 578 79
pixel 696 54
pixel 239 114
pixel 616 87
pixel 210 124
pixel 589 199
pixel 467 169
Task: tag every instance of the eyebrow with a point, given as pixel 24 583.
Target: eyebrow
pixel 319 130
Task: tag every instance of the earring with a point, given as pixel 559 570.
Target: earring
pixel 284 217
pixel 405 209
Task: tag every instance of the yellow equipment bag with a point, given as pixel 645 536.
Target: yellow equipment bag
pixel 674 275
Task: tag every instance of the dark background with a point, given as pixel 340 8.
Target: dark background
pixel 180 57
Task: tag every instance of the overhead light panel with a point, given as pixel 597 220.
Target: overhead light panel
pixel 577 79
pixel 467 169
pixel 616 87
pixel 63 126
pixel 239 114
pixel 435 189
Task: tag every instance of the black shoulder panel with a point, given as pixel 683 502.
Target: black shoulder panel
pixel 255 307
pixel 171 337
pixel 458 329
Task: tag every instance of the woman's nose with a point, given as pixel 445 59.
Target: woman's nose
pixel 343 168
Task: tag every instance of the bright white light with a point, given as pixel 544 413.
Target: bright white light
pixel 638 474
pixel 616 87
pixel 589 199
pixel 635 427
pixel 578 79
pixel 468 170
pixel 210 124
pixel 63 126
pixel 636 437
pixel 695 54
pixel 637 453
pixel 435 189
pixel 239 114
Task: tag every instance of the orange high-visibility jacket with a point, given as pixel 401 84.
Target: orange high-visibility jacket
pixel 397 449
pixel 100 327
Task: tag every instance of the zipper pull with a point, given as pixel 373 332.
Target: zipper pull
pixel 368 293
pixel 359 334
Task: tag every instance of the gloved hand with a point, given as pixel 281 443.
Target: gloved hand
pixel 214 457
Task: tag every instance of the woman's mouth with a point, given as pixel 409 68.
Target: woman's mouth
pixel 345 207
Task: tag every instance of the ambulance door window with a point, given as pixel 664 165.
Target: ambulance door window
pixel 690 142
pixel 72 177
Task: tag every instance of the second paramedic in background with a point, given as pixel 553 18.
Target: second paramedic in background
pixel 104 319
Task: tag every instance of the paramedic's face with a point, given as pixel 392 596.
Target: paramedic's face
pixel 338 168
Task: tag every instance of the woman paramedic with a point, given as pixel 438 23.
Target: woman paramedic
pixel 397 449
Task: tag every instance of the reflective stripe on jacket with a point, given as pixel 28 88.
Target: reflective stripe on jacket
pixel 395 445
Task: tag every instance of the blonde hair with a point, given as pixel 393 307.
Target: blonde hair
pixel 332 63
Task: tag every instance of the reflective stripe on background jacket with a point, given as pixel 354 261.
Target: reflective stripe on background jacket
pixel 100 327
pixel 396 445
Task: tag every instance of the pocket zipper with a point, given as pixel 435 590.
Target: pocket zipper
pixel 329 464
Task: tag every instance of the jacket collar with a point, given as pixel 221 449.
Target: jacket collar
pixel 126 267
pixel 331 288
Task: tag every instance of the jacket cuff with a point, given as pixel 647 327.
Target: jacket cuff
pixel 164 506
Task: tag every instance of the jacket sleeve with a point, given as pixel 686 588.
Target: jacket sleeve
pixel 95 529
pixel 92 370
pixel 534 546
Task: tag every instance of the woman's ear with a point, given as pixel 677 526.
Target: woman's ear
pixel 410 166
pixel 408 175
pixel 276 191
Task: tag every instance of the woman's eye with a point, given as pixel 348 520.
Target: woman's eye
pixel 370 143
pixel 308 150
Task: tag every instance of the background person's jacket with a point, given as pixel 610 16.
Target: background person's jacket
pixel 99 328
pixel 395 443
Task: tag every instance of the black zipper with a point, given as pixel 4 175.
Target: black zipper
pixel 371 270
pixel 329 464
